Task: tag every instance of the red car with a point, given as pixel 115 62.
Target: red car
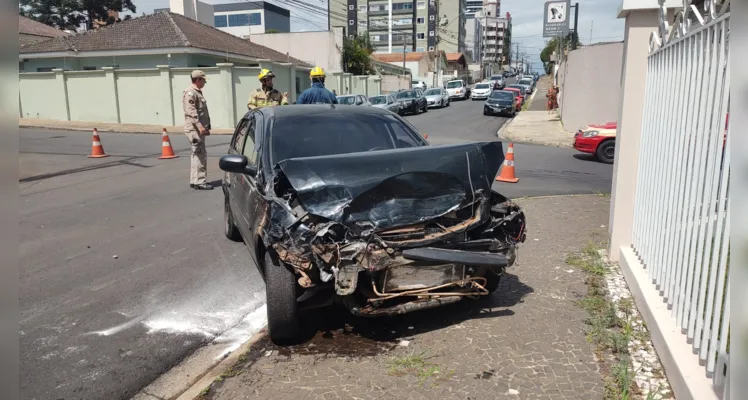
pixel 599 140
pixel 519 100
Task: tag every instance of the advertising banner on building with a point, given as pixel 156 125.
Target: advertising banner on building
pixel 556 18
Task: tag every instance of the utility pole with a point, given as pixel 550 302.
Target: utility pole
pixel 516 59
pixel 411 78
pixel 591 24
pixel 575 35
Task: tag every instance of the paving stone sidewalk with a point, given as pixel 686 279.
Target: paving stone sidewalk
pixel 527 341
pixel 106 126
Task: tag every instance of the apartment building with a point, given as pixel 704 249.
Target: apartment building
pixel 473 7
pixel 396 26
pixel 493 35
pixel 251 18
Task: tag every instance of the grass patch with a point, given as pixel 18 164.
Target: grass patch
pixel 608 324
pixel 418 365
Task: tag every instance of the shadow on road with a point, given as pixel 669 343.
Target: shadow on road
pixel 586 157
pixel 334 331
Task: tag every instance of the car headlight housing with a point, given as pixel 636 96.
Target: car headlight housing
pixel 590 134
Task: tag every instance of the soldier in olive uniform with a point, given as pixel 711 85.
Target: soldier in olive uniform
pixel 196 128
pixel 266 96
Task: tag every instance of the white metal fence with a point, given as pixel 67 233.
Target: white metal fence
pixel 682 208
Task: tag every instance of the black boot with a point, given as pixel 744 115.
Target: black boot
pixel 202 186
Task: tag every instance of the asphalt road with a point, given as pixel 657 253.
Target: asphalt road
pixel 125 270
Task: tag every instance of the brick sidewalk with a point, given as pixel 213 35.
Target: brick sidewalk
pixel 106 126
pixel 525 342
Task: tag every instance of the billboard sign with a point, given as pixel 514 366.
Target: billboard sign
pixel 556 18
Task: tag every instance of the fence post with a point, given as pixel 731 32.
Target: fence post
pixel 227 83
pixel 62 85
pixel 377 86
pixel 165 75
pixel 346 87
pixel 110 74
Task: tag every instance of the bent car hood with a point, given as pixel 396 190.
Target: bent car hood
pixel 389 188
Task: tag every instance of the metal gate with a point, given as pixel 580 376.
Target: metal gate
pixel 682 208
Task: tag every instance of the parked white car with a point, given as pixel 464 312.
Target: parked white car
pixel 385 102
pixel 418 84
pixel 353 100
pixel 481 91
pixel 497 78
pixel 457 89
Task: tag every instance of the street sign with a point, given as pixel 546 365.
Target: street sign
pixel 556 18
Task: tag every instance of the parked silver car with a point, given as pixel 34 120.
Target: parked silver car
pixel 385 102
pixel 353 100
pixel 436 97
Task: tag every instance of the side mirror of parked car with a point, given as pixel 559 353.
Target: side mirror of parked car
pixel 237 163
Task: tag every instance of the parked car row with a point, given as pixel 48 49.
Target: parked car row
pixel 410 101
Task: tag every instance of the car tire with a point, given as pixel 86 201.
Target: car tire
pixel 280 292
pixel 230 230
pixel 492 281
pixel 485 112
pixel 417 110
pixel 425 107
pixel 606 151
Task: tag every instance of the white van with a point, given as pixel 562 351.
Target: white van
pixel 457 89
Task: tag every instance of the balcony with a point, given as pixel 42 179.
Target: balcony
pixel 394 12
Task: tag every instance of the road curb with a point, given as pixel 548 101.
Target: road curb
pixel 219 369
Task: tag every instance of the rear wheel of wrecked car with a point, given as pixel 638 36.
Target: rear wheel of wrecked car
pixel 280 289
pixel 230 229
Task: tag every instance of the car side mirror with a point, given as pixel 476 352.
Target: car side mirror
pixel 237 163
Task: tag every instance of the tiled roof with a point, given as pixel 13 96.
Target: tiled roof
pixel 452 57
pixel 398 57
pixel 159 31
pixel 27 26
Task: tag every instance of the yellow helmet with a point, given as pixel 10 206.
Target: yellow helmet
pixel 265 73
pixel 317 72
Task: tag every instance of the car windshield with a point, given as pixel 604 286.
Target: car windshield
pixel 378 99
pixel 414 82
pixel 406 94
pixel 501 95
pixel 326 134
pixel 496 78
pixel 520 87
pixel 349 100
pixel 482 86
pixel 432 92
pixel 454 84
pixel 525 81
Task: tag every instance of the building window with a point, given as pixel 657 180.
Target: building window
pixel 420 20
pixel 238 19
pixel 402 21
pixel 351 22
pixel 402 6
pixel 255 19
pixel 420 49
pixel 298 85
pixel 89 68
pixel 221 21
pixel 420 36
pixel 361 9
pixel 431 33
pixel 421 5
pixel 44 69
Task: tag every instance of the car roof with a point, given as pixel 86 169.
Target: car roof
pixel 319 109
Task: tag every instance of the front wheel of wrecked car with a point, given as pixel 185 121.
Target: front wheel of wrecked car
pixel 280 289
pixel 492 281
pixel 230 229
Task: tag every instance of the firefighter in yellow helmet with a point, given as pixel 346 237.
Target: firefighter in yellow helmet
pixel 266 95
pixel 317 94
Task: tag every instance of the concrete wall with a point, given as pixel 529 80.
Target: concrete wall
pixel 319 48
pixel 154 95
pixel 393 83
pixel 590 83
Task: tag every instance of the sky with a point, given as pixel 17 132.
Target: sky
pixel 527 24
pixel 527 20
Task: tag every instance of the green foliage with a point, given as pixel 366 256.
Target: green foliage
pixel 271 30
pixel 70 14
pixel 356 54
pixel 551 46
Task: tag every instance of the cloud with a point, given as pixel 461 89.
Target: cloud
pixel 527 24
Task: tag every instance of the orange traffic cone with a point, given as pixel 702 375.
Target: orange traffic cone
pixel 166 150
pixel 507 172
pixel 97 150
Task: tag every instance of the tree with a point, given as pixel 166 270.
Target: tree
pixel 356 54
pixel 551 46
pixel 71 14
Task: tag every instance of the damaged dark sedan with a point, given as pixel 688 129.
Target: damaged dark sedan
pixel 353 205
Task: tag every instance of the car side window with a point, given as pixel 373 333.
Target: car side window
pixel 237 142
pixel 249 144
pixel 401 135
